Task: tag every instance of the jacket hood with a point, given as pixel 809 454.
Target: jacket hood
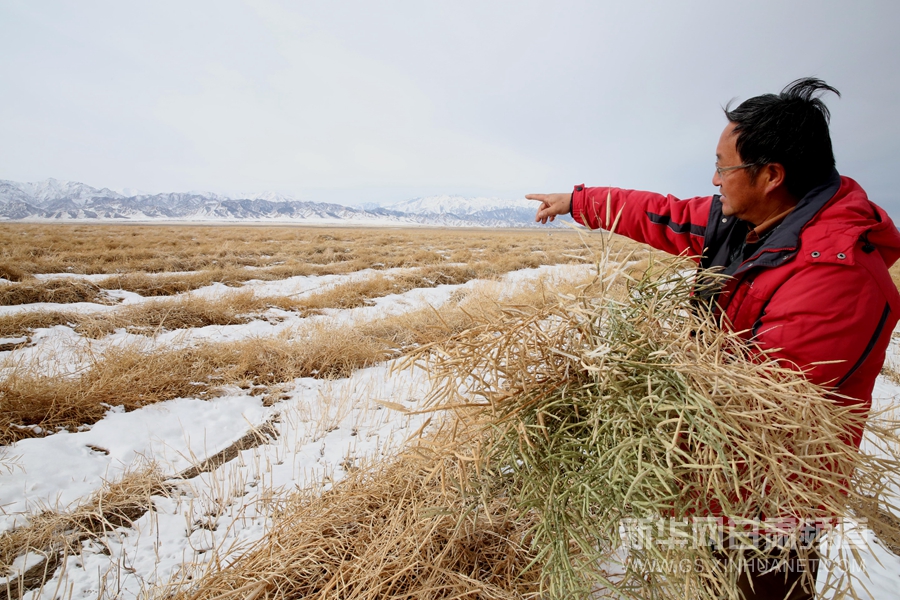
pixel 848 218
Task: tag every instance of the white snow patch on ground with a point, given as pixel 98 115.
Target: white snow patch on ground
pixel 56 471
pixel 880 567
pixel 325 428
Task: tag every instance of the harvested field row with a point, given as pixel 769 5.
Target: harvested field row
pixel 242 306
pixel 139 374
pixel 390 532
pixel 58 291
pixel 28 249
pixel 69 290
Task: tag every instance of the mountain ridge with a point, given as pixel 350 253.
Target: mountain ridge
pixel 53 200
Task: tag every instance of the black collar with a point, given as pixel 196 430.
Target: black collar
pixel 783 243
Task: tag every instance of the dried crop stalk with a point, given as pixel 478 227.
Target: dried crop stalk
pixel 609 412
pixel 390 532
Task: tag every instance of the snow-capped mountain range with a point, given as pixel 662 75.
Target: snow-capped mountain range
pixel 54 201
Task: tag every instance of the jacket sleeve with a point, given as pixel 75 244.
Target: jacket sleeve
pixel 832 323
pixel 664 222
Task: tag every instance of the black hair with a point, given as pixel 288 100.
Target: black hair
pixel 791 129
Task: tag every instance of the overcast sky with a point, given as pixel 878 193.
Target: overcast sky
pixel 365 101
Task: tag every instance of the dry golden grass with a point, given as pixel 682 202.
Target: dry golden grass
pixel 126 376
pixel 55 533
pixel 231 308
pixel 133 377
pixel 285 250
pixel 522 490
pixel 62 291
pixel 895 274
pixel 23 323
pixel 242 306
pixel 442 529
pixel 401 333
pixel 390 532
pixel 453 540
pixel 10 272
pixel 36 404
pixel 170 284
pixel 183 312
pixel 358 293
pixel 162 284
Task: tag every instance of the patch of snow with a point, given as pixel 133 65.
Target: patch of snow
pixel 56 471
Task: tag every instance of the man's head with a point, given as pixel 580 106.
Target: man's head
pixel 790 129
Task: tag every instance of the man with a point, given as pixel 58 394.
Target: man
pixel 807 252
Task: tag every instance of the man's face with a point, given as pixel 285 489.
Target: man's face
pixel 741 196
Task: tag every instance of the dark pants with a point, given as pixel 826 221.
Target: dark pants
pixel 766 579
pixel 772 567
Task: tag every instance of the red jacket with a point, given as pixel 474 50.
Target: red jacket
pixel 817 290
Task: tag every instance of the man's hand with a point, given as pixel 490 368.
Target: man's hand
pixel 551 205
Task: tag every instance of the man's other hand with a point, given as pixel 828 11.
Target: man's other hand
pixel 551 205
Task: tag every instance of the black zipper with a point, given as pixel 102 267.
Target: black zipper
pixel 870 346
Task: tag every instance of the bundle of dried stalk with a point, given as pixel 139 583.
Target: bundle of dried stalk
pixel 387 532
pixel 601 413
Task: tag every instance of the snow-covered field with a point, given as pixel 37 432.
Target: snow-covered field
pixel 316 431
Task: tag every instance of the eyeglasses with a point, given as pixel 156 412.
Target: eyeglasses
pixel 722 170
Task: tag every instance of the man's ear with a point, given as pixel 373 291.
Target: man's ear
pixel 773 176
